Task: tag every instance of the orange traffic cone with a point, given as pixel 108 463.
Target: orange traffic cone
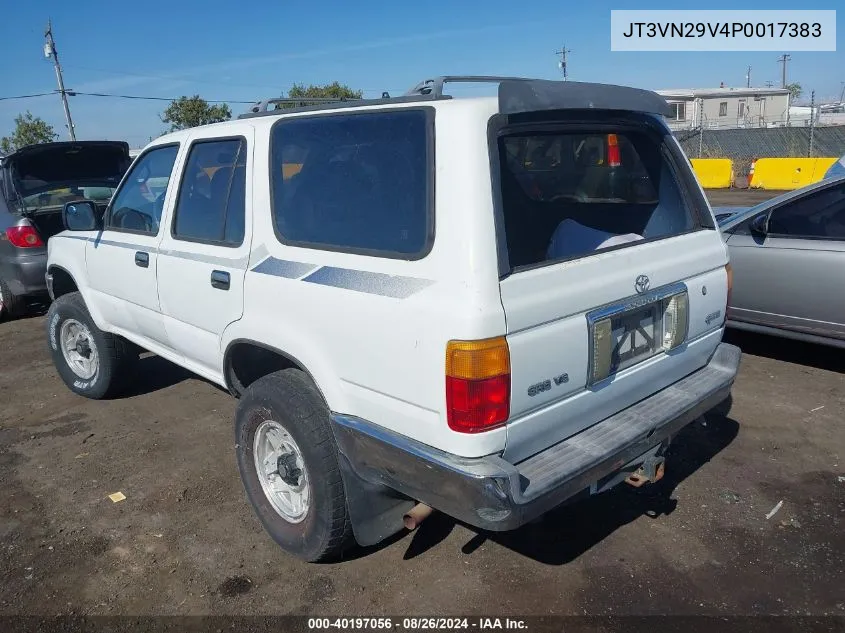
pixel 751 172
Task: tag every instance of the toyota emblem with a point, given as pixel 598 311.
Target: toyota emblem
pixel 642 283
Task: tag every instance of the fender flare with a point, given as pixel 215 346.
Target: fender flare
pixel 83 290
pixel 228 377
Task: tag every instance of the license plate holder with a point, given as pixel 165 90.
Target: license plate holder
pixel 636 336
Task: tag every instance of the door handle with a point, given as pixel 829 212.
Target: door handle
pixel 142 259
pixel 219 279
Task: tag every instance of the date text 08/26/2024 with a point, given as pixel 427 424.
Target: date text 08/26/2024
pixel 416 624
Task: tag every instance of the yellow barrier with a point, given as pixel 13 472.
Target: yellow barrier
pixel 714 173
pixel 789 173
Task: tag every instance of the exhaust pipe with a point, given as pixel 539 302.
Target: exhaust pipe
pixel 416 515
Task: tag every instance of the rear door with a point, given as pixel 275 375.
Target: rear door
pixel 793 277
pixel 615 283
pixel 205 249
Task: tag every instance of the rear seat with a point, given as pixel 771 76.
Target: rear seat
pixel 571 239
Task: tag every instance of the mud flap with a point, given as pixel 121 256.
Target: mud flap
pixel 375 510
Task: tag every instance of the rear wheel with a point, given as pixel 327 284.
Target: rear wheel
pixel 11 306
pixel 288 462
pixel 92 363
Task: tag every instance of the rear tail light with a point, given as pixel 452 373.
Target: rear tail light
pixel 478 384
pixel 614 159
pixel 23 236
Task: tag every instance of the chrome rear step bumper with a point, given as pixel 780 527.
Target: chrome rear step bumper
pixel 492 494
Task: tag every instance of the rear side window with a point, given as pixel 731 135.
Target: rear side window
pixel 568 195
pixel 354 182
pixel 212 197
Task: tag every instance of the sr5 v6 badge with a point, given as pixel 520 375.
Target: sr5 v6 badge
pixel 546 385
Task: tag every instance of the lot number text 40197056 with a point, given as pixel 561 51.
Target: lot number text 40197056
pixel 417 624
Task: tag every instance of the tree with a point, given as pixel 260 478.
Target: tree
pixel 29 130
pixel 329 91
pixel 794 90
pixel 186 112
pixel 333 90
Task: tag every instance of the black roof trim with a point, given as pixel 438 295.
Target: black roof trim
pixel 541 94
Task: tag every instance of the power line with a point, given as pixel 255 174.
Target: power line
pixel 73 93
pixel 192 79
pixel 144 97
pixel 37 94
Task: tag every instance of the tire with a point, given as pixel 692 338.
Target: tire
pixel 11 306
pixel 288 402
pixel 69 316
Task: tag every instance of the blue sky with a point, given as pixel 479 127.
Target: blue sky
pixel 251 50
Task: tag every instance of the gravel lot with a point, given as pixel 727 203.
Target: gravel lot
pixel 184 541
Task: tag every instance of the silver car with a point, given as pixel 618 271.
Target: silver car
pixel 788 260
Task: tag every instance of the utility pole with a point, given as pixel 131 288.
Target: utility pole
pixel 748 77
pixel 50 51
pixel 770 83
pixel 562 63
pixel 700 125
pixel 784 59
pixel 842 94
pixel 812 122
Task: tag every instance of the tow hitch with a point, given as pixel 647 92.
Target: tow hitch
pixel 651 470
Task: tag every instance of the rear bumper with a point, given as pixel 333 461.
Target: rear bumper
pixel 25 273
pixel 492 494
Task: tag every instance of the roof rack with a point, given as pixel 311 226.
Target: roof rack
pixel 434 87
pixel 516 95
pixel 262 108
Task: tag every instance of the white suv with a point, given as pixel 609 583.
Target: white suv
pixel 486 306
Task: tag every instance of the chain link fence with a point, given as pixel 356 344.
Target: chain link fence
pixel 745 145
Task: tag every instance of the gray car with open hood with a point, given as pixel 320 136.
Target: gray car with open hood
pixel 35 183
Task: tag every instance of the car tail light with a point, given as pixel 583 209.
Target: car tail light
pixel 23 236
pixel 478 384
pixel 614 159
pixel 730 272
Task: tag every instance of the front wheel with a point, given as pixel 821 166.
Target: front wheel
pixel 92 363
pixel 288 462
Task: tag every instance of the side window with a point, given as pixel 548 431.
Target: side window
pixel 137 206
pixel 354 182
pixel 820 215
pixel 211 203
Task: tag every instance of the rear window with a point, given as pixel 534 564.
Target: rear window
pixel 568 195
pixel 354 182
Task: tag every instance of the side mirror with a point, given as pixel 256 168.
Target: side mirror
pixel 80 216
pixel 760 225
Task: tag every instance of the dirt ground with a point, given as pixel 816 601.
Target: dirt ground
pixel 185 541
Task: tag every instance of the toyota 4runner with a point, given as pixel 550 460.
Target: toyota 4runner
pixel 487 306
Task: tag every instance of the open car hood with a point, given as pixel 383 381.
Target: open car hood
pixel 39 168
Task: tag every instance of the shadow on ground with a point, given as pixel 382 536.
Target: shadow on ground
pixel 567 532
pixel 154 373
pixel 787 350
